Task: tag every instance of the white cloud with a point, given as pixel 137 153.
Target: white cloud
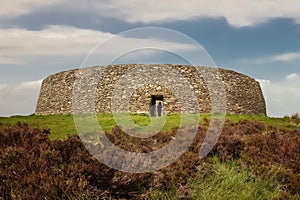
pixel 31 84
pixel 17 44
pixel 237 12
pixel 20 99
pixel 292 76
pixel 18 7
pixel 283 97
pixel 262 81
pixel 20 45
pixel 286 57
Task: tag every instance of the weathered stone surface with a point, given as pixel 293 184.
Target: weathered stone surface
pixel 130 87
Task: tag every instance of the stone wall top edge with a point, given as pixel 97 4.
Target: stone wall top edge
pixel 222 70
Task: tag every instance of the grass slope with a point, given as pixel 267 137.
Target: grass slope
pixel 63 125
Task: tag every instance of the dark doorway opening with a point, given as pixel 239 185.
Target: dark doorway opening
pixel 154 101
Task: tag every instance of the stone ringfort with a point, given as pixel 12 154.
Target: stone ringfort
pixel 243 93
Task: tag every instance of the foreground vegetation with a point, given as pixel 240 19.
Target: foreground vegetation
pixel 256 157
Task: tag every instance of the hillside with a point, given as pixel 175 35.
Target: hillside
pixel 256 157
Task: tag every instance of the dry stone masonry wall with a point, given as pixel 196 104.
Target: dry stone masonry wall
pixel 135 87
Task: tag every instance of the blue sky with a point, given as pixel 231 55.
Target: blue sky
pixel 257 38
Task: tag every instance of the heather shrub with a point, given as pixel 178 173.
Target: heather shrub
pixel 34 167
pixel 275 154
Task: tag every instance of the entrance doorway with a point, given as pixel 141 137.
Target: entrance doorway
pixel 155 99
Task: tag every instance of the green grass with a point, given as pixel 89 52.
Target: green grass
pixel 60 125
pixel 156 194
pixel 281 123
pixel 227 180
pixel 63 125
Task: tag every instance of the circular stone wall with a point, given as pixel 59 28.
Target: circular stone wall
pixel 243 94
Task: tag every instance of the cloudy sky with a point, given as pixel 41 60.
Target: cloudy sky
pixel 260 38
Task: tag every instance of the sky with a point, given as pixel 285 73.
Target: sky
pixel 260 38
